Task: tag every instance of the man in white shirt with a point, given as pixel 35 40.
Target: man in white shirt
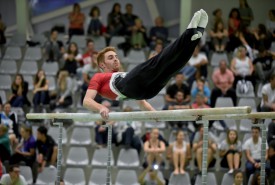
pixel 13 177
pixel 268 92
pixel 252 148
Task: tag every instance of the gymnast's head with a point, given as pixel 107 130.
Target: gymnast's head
pixel 108 61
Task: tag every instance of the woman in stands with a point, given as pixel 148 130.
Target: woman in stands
pixel 77 19
pixel 219 36
pixel 19 90
pixel 41 89
pixel 231 151
pixel 238 177
pixel 72 58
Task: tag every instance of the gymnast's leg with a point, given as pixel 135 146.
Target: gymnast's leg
pixel 148 78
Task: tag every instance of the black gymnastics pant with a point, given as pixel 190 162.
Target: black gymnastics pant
pixel 148 78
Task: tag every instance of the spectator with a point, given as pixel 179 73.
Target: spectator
pixel 217 13
pixel 2 31
pixel 95 26
pixel 87 57
pixel 154 149
pixel 197 149
pixel 231 151
pixel 25 151
pixel 201 87
pixel 158 48
pixel 179 153
pixel 5 147
pixel 127 132
pixel 199 61
pixel 219 36
pixel 41 89
pixel 13 177
pixel 129 19
pixel 234 21
pixel 63 98
pixel 246 13
pixel 72 59
pixel 179 85
pixel 47 149
pixel 77 20
pixel 200 102
pixel 19 89
pixel 263 38
pixel 138 37
pixel 271 131
pixel 270 23
pixel 238 177
pixel 252 148
pixel 242 67
pixel 115 25
pixel 257 179
pixel 54 48
pixel 158 32
pixel 223 80
pixel 263 64
pixel 271 156
pixel 268 92
pixel 150 176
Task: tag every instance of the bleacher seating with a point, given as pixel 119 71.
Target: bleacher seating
pixel 74 176
pixel 8 67
pixel 126 177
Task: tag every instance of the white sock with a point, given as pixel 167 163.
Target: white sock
pixel 203 19
pixel 195 20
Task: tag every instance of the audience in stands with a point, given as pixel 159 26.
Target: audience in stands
pixel 158 32
pixel 41 89
pixel 158 48
pixel 154 149
pixel 115 25
pixel 219 36
pixel 231 151
pixel 95 26
pixel 252 149
pixel 63 97
pixel 47 149
pixel 72 59
pixel 197 149
pixel 151 175
pixel 2 31
pixel 138 37
pixel 246 13
pixel 234 21
pixel 223 79
pixel 26 150
pixel 199 102
pixel 201 87
pixel 270 23
pixel 238 177
pixel 76 19
pixel 271 131
pixel 179 85
pixel 179 153
pixel 53 48
pixel 268 93
pixel 129 19
pixel 5 146
pixel 19 89
pixel 13 177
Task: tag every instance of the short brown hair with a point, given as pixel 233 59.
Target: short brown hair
pixel 101 54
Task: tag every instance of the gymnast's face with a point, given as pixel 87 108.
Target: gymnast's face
pixel 111 62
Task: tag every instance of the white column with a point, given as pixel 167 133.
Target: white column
pixel 185 14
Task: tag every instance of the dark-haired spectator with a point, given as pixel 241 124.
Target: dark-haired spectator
pixel 41 89
pixel 158 32
pixel 263 64
pixel 246 13
pixel 25 151
pixel 2 31
pixel 47 148
pixel 238 177
pixel 76 19
pixel 234 21
pixel 54 48
pixel 179 85
pixel 252 148
pixel 129 19
pixel 138 37
pixel 158 48
pixel 219 36
pixel 63 98
pixel 87 57
pixel 217 13
pixel 19 89
pixel 72 59
pixel 13 177
pixel 201 87
pixel 5 146
pixel 95 26
pixel 268 93
pixel 270 23
pixel 115 25
pixel 263 37
pixel 223 80
pixel 231 151
pixel 256 180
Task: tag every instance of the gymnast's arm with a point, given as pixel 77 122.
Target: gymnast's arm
pixel 144 105
pixel 92 105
